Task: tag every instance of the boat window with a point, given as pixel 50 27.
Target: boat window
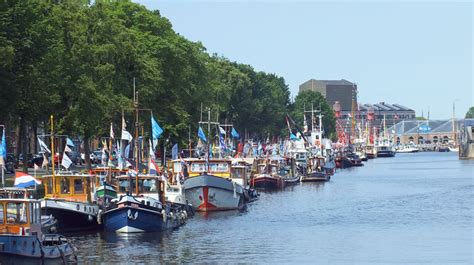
pixel 64 186
pixel 37 212
pixel 219 167
pixel 123 185
pixel 149 185
pixel 32 213
pixel 237 173
pixel 198 167
pixel 16 213
pixel 1 213
pixel 78 187
pixel 49 186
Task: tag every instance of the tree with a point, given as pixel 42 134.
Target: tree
pixel 305 100
pixel 470 113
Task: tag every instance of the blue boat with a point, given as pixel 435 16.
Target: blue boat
pixel 21 235
pixel 139 213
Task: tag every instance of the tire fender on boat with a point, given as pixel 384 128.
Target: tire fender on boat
pixel 163 213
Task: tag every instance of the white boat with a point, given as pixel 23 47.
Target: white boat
pixel 407 149
pixel 209 186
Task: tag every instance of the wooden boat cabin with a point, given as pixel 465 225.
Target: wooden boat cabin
pixel 148 185
pixel 20 216
pixel 107 174
pixel 195 167
pixel 73 187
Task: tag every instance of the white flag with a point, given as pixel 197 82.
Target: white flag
pixel 43 146
pixel 66 162
pixel 221 130
pixel 152 154
pixel 125 134
pixel 45 161
pixel 112 131
pixel 67 149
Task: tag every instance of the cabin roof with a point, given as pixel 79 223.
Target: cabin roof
pixel 18 200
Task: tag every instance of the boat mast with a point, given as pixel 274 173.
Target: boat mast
pixel 454 128
pixel 52 153
pixel 209 135
pixel 135 105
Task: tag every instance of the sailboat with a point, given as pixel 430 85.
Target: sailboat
pixel 68 198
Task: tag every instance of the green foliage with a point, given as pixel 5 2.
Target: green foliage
pixel 470 113
pixel 308 99
pixel 78 61
pixel 420 118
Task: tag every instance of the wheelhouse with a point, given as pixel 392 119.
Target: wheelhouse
pixel 20 216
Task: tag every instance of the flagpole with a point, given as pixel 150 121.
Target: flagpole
pixel 52 154
pixel 3 158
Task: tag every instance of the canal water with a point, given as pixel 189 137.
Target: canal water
pixel 413 208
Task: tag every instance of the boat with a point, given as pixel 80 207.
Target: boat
pixel 370 151
pixel 316 170
pixel 240 173
pixel 48 222
pixel 145 211
pixel 21 235
pixel 68 197
pixel 209 186
pixel 443 148
pixel 354 159
pixel 410 148
pixel 105 190
pixel 266 176
pixel 287 171
pixel 384 148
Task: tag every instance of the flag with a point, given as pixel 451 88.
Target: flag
pixel 3 149
pixel 157 131
pixel 67 149
pixel 23 180
pixel 112 131
pixel 152 167
pixel 69 142
pixel 174 152
pixel 66 161
pixel 201 135
pixel 292 137
pixel 234 133
pixel 221 130
pixel 45 161
pixel 289 127
pixel 305 125
pixel 151 153
pixel 127 151
pixel 35 166
pixel 125 134
pixel 222 142
pixel 43 146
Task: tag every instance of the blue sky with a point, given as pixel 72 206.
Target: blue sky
pixel 417 54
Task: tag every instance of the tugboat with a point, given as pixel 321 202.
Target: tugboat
pixel 316 170
pixel 209 186
pixel 266 176
pixel 142 212
pixel 68 197
pixel 21 236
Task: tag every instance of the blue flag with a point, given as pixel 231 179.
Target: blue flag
pixel 157 131
pixel 201 134
pixel 174 152
pixel 3 146
pixel 222 142
pixel 234 133
pixel 69 142
pixel 292 137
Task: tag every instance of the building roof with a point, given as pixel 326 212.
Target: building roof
pixel 337 82
pixel 413 126
pixel 382 106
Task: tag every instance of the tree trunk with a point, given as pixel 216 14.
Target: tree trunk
pixel 35 135
pixel 87 152
pixel 23 143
